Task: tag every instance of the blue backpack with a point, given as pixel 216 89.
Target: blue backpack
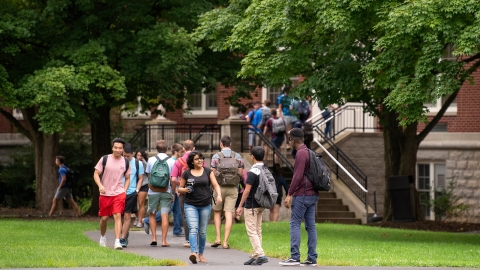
pixel 303 108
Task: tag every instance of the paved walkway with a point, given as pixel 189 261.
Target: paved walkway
pixel 218 258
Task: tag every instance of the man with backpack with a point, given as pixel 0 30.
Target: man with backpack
pixel 136 180
pixel 227 167
pixel 160 189
pixel 253 210
pixel 109 173
pixel 302 198
pixel 285 107
pixel 63 190
pixel 179 167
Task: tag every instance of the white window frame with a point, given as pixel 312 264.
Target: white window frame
pixel 435 108
pixel 203 112
pixel 434 185
pixel 137 114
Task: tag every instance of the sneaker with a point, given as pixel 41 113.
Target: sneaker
pixel 123 243
pixel 289 261
pixel 308 263
pixel 249 262
pixel 139 225
pixel 103 241
pixel 187 244
pixel 117 245
pixel 260 260
pixel 179 235
pixel 147 228
pixel 135 222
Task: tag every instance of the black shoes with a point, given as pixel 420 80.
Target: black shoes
pixel 257 261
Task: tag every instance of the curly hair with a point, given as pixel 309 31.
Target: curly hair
pixel 191 156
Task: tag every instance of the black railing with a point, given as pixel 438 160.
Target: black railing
pixel 347 163
pixel 206 137
pixel 271 150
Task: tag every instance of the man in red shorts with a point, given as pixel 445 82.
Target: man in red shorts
pixel 112 191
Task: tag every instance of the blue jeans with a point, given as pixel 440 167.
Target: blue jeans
pixel 177 216
pixel 197 220
pixel 303 207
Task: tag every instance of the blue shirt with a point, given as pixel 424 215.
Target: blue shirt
pixel 286 102
pixel 62 171
pixel 133 176
pixel 257 118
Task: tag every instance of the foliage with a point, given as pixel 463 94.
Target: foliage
pixel 446 204
pixel 62 244
pixel 17 179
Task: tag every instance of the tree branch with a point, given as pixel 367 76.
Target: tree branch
pixel 17 124
pixel 471 58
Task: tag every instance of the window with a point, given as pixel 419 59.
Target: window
pixel 431 179
pixel 202 105
pixel 436 106
pixel 136 114
pixel 272 93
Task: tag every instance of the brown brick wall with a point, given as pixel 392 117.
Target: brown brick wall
pixel 468 114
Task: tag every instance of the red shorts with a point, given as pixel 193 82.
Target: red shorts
pixel 110 205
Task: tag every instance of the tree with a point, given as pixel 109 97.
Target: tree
pixel 387 54
pixel 67 62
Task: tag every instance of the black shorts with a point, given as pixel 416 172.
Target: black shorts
pixel 144 188
pixel 131 203
pixel 280 195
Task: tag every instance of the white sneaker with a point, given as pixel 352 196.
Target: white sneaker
pixel 135 222
pixel 117 245
pixel 103 241
pixel 139 225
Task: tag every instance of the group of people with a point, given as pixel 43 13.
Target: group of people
pixel 123 182
pixel 277 122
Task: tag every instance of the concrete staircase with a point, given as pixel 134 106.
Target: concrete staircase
pixel 331 209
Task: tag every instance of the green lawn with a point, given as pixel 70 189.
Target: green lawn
pixel 353 245
pixel 60 243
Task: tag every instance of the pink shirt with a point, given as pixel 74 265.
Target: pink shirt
pixel 177 166
pixel 112 175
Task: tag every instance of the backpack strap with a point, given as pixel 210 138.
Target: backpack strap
pixel 221 154
pixel 127 166
pixel 104 163
pixel 137 165
pixel 184 164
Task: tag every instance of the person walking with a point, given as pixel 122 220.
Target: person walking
pixel 177 152
pixel 136 180
pixel 229 190
pixel 277 137
pixel 63 190
pixel 302 198
pixel 141 155
pixel 112 189
pixel 160 197
pixel 254 117
pixel 196 183
pixel 179 167
pixel 253 212
pixel 285 108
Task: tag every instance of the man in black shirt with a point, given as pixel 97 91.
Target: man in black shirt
pixel 253 213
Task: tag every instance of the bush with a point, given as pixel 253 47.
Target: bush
pixel 446 204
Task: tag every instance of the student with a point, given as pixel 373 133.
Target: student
pixel 63 190
pixel 253 213
pixel 141 155
pixel 112 190
pixel 302 198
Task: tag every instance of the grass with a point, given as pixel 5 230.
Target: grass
pixel 354 245
pixel 61 243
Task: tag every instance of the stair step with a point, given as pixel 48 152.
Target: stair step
pixel 330 201
pixel 332 207
pixel 339 220
pixel 335 214
pixel 325 195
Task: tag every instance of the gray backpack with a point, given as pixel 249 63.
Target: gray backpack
pixel 227 170
pixel 266 194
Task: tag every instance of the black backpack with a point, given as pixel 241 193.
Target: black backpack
pixel 104 163
pixel 319 175
pixel 70 177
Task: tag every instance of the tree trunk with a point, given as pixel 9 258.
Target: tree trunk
pixel 401 146
pixel 101 145
pixel 46 149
